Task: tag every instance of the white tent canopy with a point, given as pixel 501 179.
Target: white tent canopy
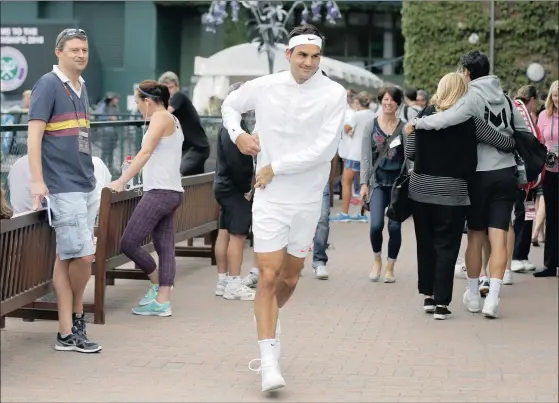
pixel 244 62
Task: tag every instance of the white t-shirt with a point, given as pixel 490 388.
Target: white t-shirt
pixel 361 120
pixel 19 180
pixel 343 147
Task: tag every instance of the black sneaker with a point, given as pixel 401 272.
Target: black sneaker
pixel 545 272
pixel 442 313
pixel 429 305
pixel 76 342
pixel 78 321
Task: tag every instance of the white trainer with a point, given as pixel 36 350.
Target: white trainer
pixel 250 280
pixel 518 266
pixel 491 307
pixel 271 374
pixel 528 266
pixel 460 269
pixel 239 292
pixel 320 272
pixel 220 287
pixel 507 278
pixel 472 303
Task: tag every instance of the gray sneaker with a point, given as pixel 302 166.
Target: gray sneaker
pixel 251 280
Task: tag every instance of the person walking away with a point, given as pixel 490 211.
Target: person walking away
pixel 232 189
pixel 160 158
pixel 196 147
pixel 548 122
pixel 444 162
pixel 382 158
pixel 493 191
pixel 362 122
pixel 59 149
pixel 520 234
pixel 292 168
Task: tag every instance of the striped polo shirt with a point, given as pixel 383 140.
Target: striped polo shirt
pixel 65 111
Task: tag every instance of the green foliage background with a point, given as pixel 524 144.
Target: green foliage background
pixel 436 34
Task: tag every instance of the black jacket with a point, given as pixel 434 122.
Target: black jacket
pixel 450 152
pixel 234 170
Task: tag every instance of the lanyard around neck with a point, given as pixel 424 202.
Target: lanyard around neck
pixel 69 93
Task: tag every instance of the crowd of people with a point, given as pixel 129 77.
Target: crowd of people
pixel 459 151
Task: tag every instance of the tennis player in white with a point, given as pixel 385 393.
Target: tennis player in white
pixel 300 114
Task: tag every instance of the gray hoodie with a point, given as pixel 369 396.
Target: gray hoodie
pixel 485 99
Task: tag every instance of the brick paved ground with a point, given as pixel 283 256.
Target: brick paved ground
pixel 345 339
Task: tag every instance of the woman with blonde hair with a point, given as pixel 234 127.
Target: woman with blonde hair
pixel 548 122
pixel 444 162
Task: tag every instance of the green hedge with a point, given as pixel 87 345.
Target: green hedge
pixel 437 32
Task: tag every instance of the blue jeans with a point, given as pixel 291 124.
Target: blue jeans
pixel 319 257
pixel 380 200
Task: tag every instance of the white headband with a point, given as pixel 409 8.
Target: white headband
pixel 305 39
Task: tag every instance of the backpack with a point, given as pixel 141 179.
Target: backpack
pixel 530 151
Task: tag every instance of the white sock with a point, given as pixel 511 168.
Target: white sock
pixel 495 286
pixel 267 347
pixel 473 286
pixel 221 276
pixel 254 271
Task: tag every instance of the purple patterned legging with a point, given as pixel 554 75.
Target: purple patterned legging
pixel 153 215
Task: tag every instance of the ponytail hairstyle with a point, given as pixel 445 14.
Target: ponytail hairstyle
pixel 364 99
pixel 158 93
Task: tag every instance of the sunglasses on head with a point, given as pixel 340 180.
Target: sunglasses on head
pixel 70 32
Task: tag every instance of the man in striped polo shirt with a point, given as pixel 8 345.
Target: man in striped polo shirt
pixel 61 167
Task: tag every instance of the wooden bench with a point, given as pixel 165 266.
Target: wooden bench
pixel 27 255
pixel 197 216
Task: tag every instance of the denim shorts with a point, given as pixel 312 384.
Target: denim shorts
pixel 73 219
pixel 352 164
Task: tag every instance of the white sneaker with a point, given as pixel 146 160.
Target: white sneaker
pixel 220 287
pixel 491 307
pixel 271 374
pixel 250 280
pixel 240 292
pixel 528 266
pixel 507 278
pixel 472 303
pixel 518 266
pixel 460 269
pixel 320 272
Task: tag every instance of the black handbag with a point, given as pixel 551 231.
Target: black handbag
pixel 400 207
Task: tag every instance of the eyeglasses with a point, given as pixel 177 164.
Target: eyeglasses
pixel 70 32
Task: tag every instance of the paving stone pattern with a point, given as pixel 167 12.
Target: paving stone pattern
pixel 345 339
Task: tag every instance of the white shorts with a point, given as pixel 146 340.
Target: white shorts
pixel 276 226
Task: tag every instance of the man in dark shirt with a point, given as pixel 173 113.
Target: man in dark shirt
pixel 195 147
pixel 61 169
pixel 232 188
